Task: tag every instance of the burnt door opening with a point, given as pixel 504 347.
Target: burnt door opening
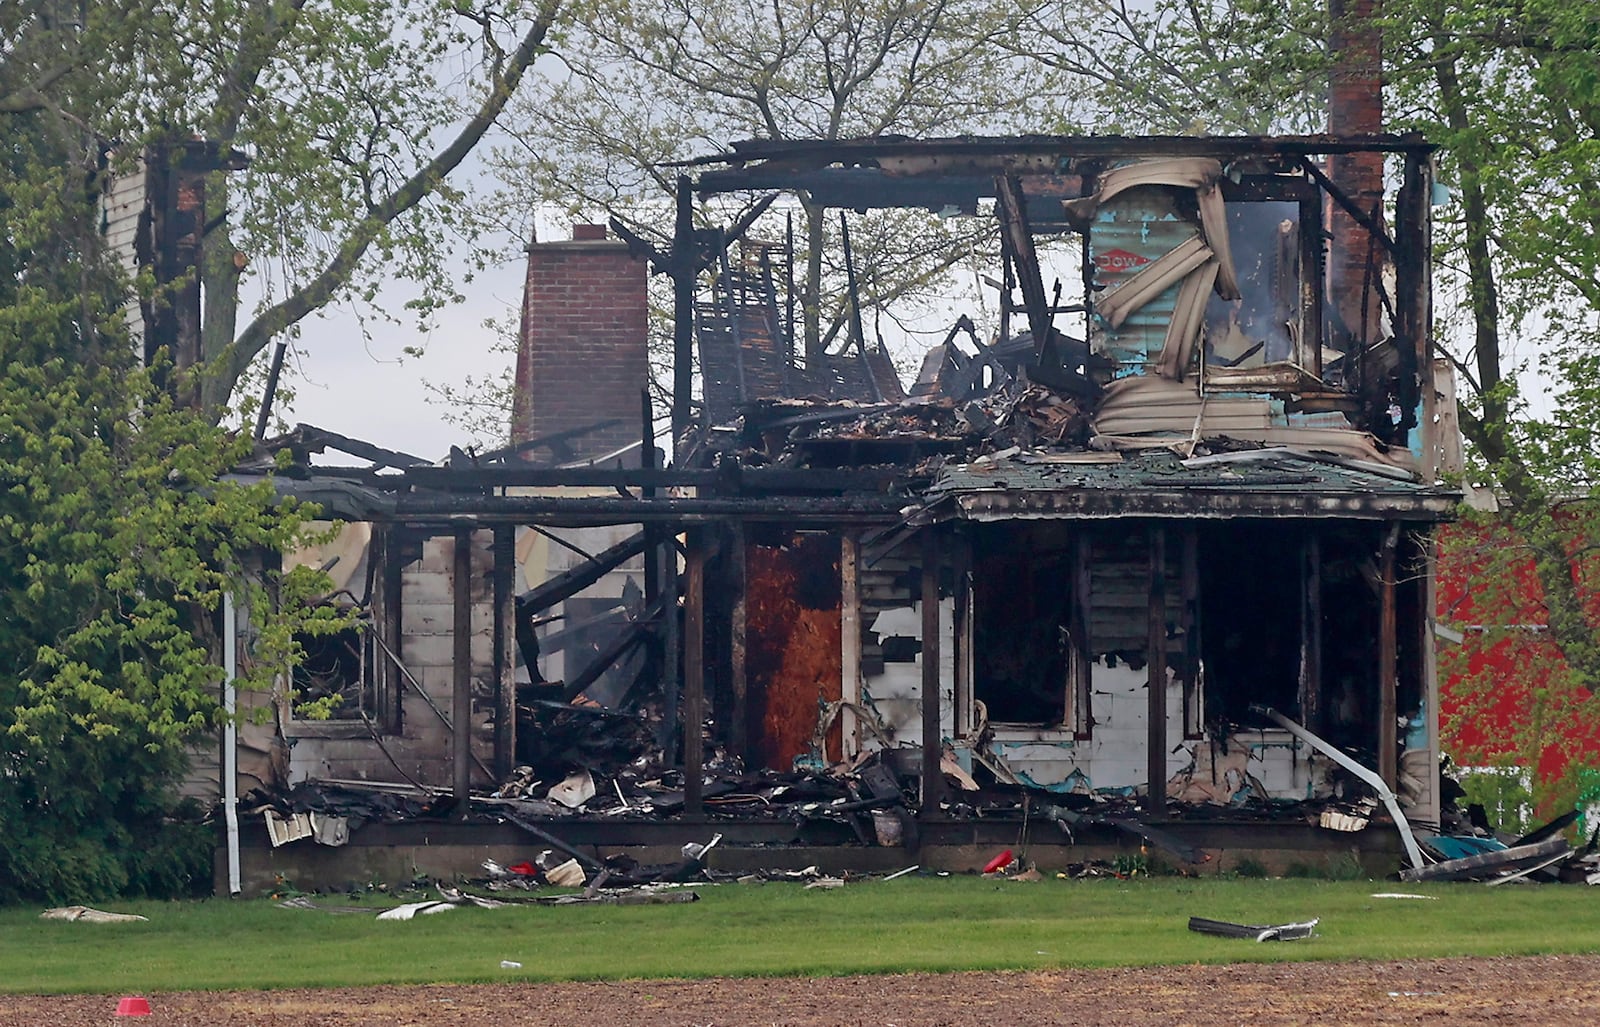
pixel 1021 609
pixel 1250 603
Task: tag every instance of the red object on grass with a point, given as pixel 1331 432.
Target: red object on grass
pixel 1000 862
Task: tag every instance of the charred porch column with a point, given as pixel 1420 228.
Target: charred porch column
pixel 684 270
pixel 505 649
pixel 736 722
pixel 1311 631
pixel 461 681
pixel 1156 659
pixel 694 681
pixel 932 740
pixel 1388 659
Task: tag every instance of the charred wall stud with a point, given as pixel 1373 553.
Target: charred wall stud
pixel 932 749
pixel 1156 654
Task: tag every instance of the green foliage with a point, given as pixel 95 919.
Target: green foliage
pixel 117 542
pixel 352 113
pixel 1506 795
pixel 1183 66
pixel 1251 868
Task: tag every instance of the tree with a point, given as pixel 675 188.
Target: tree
pixel 117 542
pixel 353 113
pixel 653 83
pixel 1183 66
pixel 1508 88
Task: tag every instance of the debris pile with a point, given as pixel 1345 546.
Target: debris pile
pixel 1543 854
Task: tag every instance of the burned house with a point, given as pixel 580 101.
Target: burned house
pixel 1158 547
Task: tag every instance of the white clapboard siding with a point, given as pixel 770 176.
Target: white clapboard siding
pixel 122 204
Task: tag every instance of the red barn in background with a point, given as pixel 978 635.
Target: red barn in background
pixel 1508 697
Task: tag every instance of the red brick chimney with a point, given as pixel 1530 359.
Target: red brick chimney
pixel 582 356
pixel 1355 108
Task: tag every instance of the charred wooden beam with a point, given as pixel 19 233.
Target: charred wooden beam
pixel 511 476
pixel 386 604
pixel 671 648
pixel 575 511
pixel 857 333
pixel 1361 217
pixel 647 479
pixel 1156 655
pixel 961 621
pixel 571 582
pixel 555 441
pixel 558 540
pixel 1011 154
pixel 505 642
pixel 684 267
pixel 737 722
pixel 693 250
pixel 1414 318
pixel 1189 633
pixel 306 439
pixel 622 643
pixel 1311 632
pixel 652 541
pixel 1388 661
pixel 932 739
pixel 1019 240
pixel 1081 660
pixel 694 683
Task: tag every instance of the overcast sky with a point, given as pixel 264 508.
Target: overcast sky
pixel 373 390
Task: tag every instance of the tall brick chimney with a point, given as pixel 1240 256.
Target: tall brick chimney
pixel 582 355
pixel 1355 108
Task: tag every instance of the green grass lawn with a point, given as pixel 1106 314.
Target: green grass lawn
pixel 955 923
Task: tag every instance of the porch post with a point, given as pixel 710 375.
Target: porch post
pixel 736 724
pixel 461 681
pixel 932 739
pixel 849 641
pixel 1156 659
pixel 505 649
pixel 1388 669
pixel 684 272
pixel 1311 632
pixel 694 683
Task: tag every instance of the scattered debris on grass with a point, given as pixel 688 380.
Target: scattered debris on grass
pixel 86 915
pixel 1281 932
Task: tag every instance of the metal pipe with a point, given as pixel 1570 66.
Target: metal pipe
pixel 230 738
pixel 1328 749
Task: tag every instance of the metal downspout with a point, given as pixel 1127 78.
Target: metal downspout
pixel 230 738
pixel 1385 793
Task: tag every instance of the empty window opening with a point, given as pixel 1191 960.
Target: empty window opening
pixel 333 672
